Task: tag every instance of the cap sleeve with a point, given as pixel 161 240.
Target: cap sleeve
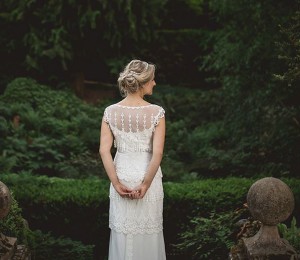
pixel 160 114
pixel 106 116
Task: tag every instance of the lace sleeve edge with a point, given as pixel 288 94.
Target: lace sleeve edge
pixel 161 114
pixel 105 116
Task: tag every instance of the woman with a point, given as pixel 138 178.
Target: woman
pixel 137 129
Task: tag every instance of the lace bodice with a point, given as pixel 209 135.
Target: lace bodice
pixel 133 127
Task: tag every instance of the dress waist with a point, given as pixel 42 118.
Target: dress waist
pixel 132 166
pixel 134 154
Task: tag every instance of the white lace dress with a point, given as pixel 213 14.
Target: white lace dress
pixel 136 225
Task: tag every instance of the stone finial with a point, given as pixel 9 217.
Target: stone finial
pixel 270 201
pixel 5 200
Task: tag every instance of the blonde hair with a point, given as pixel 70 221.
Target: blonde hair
pixel 134 76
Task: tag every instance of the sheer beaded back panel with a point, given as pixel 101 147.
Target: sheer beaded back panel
pixel 133 127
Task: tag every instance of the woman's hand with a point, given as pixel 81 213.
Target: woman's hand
pixel 122 190
pixel 140 191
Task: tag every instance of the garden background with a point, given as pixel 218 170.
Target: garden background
pixel 227 75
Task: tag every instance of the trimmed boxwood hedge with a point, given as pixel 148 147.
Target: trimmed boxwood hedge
pixel 79 208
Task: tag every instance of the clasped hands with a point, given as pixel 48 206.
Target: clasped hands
pixel 136 193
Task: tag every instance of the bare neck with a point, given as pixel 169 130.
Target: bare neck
pixel 134 99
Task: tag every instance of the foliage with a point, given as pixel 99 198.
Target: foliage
pixel 65 207
pixel 262 128
pixel 208 238
pixel 13 225
pixel 60 39
pixel 48 247
pixel 58 205
pixel 247 124
pixel 243 121
pixel 195 137
pixel 50 32
pixel 41 246
pixel 59 104
pixel 58 135
pixel 48 132
pixel 291 234
pixel 203 140
pixel 290 50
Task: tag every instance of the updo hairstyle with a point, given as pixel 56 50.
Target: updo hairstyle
pixel 134 76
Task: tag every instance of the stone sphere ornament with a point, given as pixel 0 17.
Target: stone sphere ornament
pixel 5 200
pixel 270 201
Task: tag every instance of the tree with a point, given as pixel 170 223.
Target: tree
pixel 243 58
pixel 73 36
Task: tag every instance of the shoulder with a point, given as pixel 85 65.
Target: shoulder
pixel 107 113
pixel 109 108
pixel 158 109
pixel 158 112
pixel 156 106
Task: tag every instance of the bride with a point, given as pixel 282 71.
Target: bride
pixel 137 130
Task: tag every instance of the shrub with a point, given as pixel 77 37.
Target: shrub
pixel 291 234
pixel 54 133
pixel 208 238
pixel 48 247
pixel 79 208
pixel 65 207
pixel 42 246
pixel 13 225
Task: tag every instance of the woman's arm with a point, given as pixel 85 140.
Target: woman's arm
pixel 106 141
pixel 158 148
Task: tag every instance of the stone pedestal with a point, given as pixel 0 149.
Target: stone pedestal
pixel 9 250
pixel 8 246
pixel 22 253
pixel 267 243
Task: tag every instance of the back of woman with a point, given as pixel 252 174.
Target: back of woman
pixel 137 129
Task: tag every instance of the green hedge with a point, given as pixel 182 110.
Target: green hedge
pixel 65 207
pixel 41 245
pixel 79 208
